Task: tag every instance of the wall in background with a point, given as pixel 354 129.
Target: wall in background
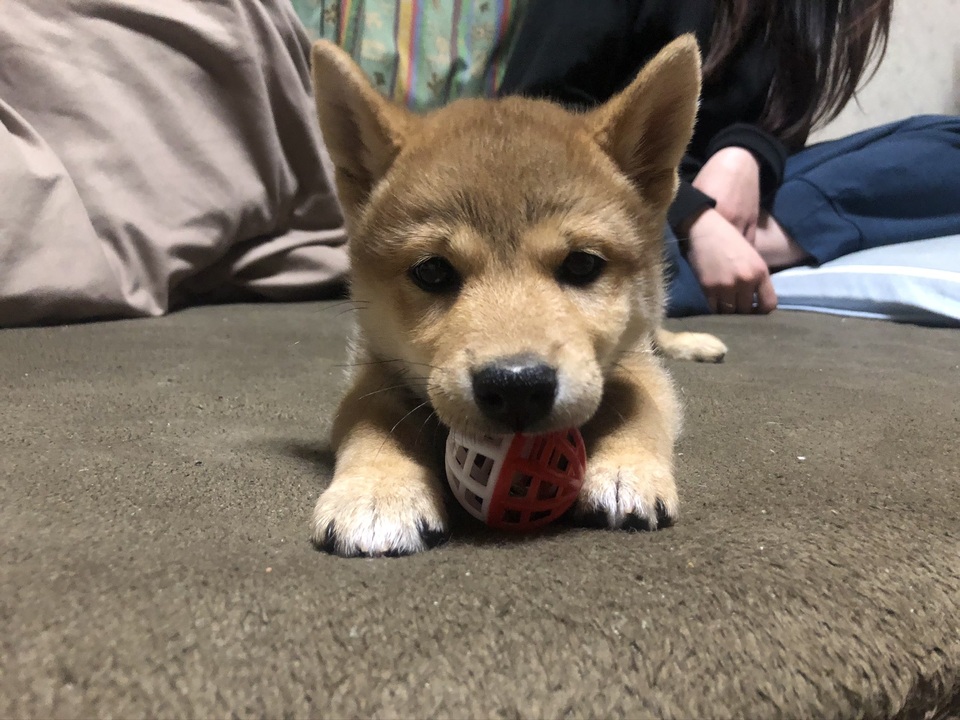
pixel 920 74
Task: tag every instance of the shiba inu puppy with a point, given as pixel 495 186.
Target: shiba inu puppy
pixel 508 274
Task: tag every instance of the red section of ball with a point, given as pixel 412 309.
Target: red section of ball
pixel 540 479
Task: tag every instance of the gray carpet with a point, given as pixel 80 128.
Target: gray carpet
pixel 157 478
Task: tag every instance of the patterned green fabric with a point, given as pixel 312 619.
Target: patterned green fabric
pixel 421 53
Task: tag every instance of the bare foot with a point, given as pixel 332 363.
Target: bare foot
pixel 777 248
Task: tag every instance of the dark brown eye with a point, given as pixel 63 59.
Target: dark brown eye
pixel 435 275
pixel 580 268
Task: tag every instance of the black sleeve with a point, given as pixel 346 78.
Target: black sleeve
pixel 771 155
pixel 769 151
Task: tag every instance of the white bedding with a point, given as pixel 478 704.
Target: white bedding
pixel 916 282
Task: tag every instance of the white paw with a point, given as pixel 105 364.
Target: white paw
pixel 624 496
pixel 362 517
pixel 699 347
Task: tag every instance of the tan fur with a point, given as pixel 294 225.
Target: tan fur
pixel 504 190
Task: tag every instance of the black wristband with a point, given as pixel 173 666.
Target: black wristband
pixel 689 202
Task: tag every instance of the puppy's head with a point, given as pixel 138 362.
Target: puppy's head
pixel 506 253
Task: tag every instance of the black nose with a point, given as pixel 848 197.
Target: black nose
pixel 516 391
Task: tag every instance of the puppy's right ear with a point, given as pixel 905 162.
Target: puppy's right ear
pixel 362 130
pixel 646 128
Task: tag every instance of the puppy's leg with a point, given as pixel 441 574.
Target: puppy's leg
pixel 701 347
pixel 630 444
pixel 385 497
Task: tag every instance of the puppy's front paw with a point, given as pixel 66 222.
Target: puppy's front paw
pixel 632 495
pixel 372 517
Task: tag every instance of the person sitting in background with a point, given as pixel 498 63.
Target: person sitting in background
pixel 753 197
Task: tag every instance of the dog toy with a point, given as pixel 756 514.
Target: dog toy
pixel 516 482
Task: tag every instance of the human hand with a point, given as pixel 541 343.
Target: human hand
pixel 732 178
pixel 775 246
pixel 734 277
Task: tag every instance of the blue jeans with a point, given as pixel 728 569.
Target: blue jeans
pixel 891 184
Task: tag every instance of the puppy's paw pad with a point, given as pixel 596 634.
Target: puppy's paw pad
pixel 372 524
pixel 629 500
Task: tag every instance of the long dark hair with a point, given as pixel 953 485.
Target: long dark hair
pixel 822 50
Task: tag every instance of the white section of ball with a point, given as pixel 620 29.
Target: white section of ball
pixel 473 465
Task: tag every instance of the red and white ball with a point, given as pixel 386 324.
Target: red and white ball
pixel 516 482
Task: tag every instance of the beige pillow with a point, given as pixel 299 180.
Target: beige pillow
pixel 153 155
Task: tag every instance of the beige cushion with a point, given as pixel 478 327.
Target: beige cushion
pixel 157 154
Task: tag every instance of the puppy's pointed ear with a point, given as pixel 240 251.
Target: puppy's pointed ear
pixel 646 128
pixel 363 131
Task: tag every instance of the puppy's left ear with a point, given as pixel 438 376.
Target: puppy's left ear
pixel 646 128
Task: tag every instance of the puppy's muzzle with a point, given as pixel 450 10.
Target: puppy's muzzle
pixel 517 392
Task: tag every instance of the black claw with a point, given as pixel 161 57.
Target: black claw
pixel 593 518
pixel 637 523
pixel 663 519
pixel 597 518
pixel 330 543
pixel 327 543
pixel 433 537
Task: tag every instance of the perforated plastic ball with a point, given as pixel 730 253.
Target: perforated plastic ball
pixel 516 482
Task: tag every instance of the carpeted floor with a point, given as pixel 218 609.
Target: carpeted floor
pixel 157 478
